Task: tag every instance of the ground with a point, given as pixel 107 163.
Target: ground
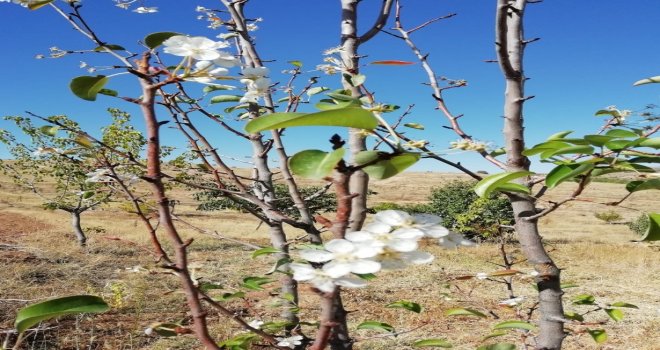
pixel 40 259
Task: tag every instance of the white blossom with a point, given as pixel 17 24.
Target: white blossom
pixel 205 72
pixel 197 47
pixel 256 324
pixel 421 224
pixel 394 260
pixel 143 9
pixel 454 240
pixel 481 275
pixel 255 72
pixel 343 257
pixel 512 302
pixel 321 279
pixel 289 342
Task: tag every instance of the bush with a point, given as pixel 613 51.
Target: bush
pixel 639 225
pixel 464 212
pixel 409 208
pixel 319 201
pixel 609 216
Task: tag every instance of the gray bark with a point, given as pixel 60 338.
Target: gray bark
pixel 510 48
pixel 77 229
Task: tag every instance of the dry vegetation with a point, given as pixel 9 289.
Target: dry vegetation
pixel 40 259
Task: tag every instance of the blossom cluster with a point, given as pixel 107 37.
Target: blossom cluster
pixel 105 176
pixel 390 242
pixel 211 63
pixel 469 145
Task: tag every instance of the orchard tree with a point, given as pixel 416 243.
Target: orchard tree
pixel 55 166
pixel 172 64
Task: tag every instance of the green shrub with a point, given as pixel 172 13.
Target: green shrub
pixel 464 212
pixel 318 201
pixel 639 225
pixel 410 208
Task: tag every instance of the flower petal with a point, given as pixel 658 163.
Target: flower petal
pixel 436 231
pixel 417 257
pixel 426 219
pixel 363 266
pixel 393 217
pixel 350 282
pixel 339 246
pixel 336 269
pixel 315 255
pixel 403 245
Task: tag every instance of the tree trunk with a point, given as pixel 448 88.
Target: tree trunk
pixel 510 45
pixel 289 286
pixel 77 229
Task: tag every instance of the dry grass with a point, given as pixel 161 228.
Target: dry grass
pixel 41 260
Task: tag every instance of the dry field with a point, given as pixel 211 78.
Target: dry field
pixel 40 259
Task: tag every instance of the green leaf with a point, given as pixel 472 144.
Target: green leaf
pixel 615 314
pixel 296 63
pixel 545 146
pixel 210 88
pixel 497 152
pixel 641 185
pixel 87 87
pixel 77 304
pixel 650 80
pixel 315 164
pixel 580 149
pixel 207 286
pixel 573 316
pixel 325 106
pixel 612 112
pixel 229 296
pixel 623 304
pixel 514 187
pixel 375 325
pixel 515 325
pixel 366 276
pixel 414 126
pixel 584 299
pixel 494 335
pixel 652 142
pixel 598 140
pixel 355 79
pixel 351 117
pixel 277 265
pixel 109 92
pixel 266 250
pixel 154 40
pixel 621 133
pixel 225 98
pixel 49 130
pixel 255 283
pixel 653 231
pixel 109 47
pixel 316 90
pixel 560 135
pixel 565 172
pixel 498 346
pixel 464 312
pixel 618 145
pixel 492 183
pixel 568 285
pixel 34 5
pixel 388 165
pixel 434 342
pixel 405 304
pixel 599 335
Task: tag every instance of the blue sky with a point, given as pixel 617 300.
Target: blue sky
pixel 589 55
